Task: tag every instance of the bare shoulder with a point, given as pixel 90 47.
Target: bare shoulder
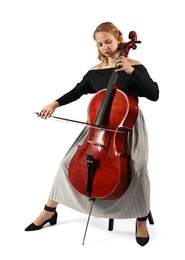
pixel 98 66
pixel 134 62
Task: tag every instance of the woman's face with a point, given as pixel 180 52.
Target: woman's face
pixel 106 43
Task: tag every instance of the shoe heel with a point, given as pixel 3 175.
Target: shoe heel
pixel 53 220
pixel 150 218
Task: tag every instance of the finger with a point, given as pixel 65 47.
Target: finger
pixel 44 113
pixel 119 65
pixel 50 113
pixel 119 69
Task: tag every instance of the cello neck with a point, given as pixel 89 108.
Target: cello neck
pixel 106 99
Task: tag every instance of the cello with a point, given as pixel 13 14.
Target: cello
pixel 100 166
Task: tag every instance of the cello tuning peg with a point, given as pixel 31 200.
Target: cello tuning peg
pixel 134 46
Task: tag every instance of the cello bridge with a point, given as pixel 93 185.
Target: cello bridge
pixel 96 143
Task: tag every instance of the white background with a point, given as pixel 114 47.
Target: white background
pixel 45 49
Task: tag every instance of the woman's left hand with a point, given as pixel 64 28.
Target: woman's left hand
pixel 124 64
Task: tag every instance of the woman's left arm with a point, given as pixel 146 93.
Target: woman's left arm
pixel 147 86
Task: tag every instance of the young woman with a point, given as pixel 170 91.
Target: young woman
pixel 134 80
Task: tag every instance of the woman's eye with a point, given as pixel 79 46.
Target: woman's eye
pixel 108 42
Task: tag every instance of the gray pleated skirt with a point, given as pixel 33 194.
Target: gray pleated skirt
pixel 134 203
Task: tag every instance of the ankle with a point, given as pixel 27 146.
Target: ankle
pixel 44 215
pixel 49 208
pixel 142 230
pixel 141 223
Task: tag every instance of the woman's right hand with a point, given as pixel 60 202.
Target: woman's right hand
pixel 48 110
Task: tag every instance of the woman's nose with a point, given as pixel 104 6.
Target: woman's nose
pixel 105 47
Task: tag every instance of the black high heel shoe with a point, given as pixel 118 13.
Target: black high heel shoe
pixel 142 241
pixel 51 221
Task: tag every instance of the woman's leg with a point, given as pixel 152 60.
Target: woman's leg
pixel 142 230
pixel 137 146
pixel 49 213
pixel 142 235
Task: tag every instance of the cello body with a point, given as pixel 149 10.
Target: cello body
pixel 109 177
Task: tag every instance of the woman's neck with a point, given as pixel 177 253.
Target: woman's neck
pixel 111 61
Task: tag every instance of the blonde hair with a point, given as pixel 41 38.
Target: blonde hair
pixel 110 28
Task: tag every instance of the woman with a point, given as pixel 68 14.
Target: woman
pixel 134 80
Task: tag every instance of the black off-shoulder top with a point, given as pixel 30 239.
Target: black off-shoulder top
pixel 138 84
